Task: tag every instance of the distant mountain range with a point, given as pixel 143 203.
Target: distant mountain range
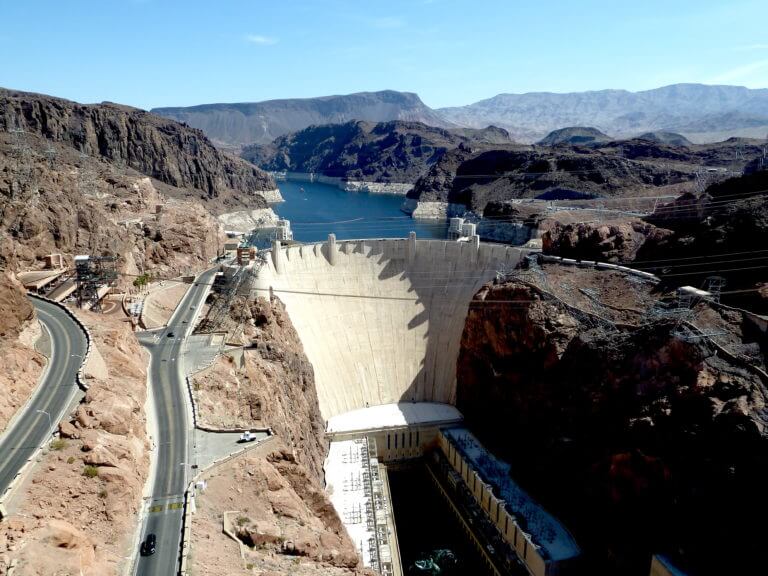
pixel 699 112
pixel 261 122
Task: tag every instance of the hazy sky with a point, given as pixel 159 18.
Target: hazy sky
pixel 451 52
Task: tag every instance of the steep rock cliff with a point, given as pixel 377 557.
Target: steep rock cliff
pixel 20 364
pixel 54 200
pixel 274 386
pixel 640 441
pixel 158 147
pixel 282 509
pixel 396 151
pixel 475 176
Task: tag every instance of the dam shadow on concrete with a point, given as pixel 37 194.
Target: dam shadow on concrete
pixel 381 320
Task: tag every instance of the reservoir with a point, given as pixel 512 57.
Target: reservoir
pixel 316 210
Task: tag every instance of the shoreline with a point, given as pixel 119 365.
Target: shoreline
pixel 391 188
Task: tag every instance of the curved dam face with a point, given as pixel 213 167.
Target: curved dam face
pixel 381 320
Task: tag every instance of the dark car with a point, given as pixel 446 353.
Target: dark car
pixel 171 334
pixel 149 545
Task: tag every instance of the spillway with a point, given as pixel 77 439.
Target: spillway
pixel 381 320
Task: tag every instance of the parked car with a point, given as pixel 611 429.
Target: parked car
pixel 171 334
pixel 149 545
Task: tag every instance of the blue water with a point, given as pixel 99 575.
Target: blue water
pixel 322 209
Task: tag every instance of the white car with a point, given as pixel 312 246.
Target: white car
pixel 247 437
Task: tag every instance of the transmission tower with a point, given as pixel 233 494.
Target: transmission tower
pixel 92 274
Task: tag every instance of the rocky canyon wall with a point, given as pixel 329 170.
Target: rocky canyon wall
pixel 636 438
pixel 20 364
pixel 155 146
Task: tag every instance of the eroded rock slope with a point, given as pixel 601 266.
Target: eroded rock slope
pixel 636 437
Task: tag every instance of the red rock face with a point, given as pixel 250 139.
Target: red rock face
pixel 618 241
pixel 15 310
pixel 684 241
pixel 633 437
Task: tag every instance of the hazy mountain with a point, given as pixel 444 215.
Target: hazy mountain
pixel 262 122
pixel 699 112
pixel 575 135
pixel 661 137
pixel 395 151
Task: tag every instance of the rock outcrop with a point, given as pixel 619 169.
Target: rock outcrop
pixel 630 434
pixel 663 137
pixel 617 241
pixel 157 147
pixel 474 176
pixel 80 509
pixel 273 385
pixel 395 151
pixel 277 516
pixel 284 519
pixel 575 135
pixel 685 241
pixel 20 364
pixel 86 205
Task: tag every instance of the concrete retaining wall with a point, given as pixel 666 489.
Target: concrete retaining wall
pixel 600 266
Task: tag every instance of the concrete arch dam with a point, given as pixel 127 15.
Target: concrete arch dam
pixel 381 320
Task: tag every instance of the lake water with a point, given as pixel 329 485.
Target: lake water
pixel 321 209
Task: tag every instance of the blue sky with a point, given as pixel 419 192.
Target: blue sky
pixel 451 52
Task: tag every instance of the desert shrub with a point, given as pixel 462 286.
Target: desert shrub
pixel 58 444
pixel 90 471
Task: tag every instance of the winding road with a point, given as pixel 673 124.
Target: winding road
pixel 54 394
pixel 172 433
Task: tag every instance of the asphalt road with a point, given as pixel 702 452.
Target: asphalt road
pixel 53 395
pixel 169 391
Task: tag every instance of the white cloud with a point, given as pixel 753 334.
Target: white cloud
pixel 744 73
pixel 260 40
pixel 387 23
